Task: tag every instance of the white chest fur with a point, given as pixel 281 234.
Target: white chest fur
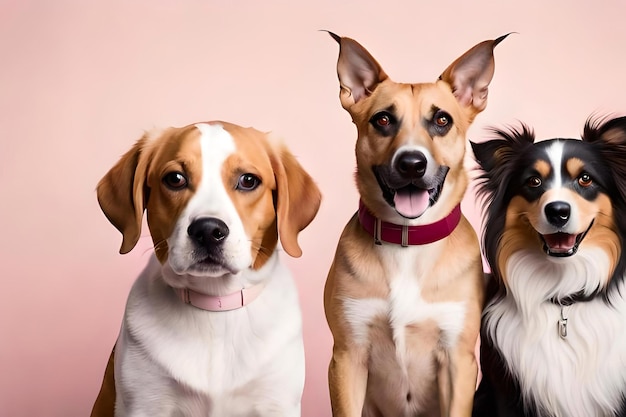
pixel 216 358
pixel 581 375
pixel 405 304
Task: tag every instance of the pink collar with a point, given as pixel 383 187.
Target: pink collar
pixel 227 302
pixel 408 235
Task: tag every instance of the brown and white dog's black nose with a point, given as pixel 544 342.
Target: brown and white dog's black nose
pixel 208 231
pixel 411 164
pixel 558 213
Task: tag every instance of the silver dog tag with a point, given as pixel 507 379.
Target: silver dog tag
pixel 563 323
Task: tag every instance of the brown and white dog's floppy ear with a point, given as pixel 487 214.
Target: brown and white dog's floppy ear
pixel 121 194
pixel 358 71
pixel 470 74
pixel 297 200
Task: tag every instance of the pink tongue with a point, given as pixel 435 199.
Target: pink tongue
pixel 560 242
pixel 411 203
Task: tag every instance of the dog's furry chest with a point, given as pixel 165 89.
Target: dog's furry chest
pixel 218 361
pixel 404 331
pixel 582 374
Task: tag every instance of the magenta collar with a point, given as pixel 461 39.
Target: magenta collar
pixel 408 235
pixel 227 302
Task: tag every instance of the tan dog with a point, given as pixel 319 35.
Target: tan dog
pixel 404 293
pixel 212 325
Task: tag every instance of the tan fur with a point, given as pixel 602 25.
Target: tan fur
pixel 519 232
pixel 371 373
pixel 543 168
pixel 574 166
pixel 284 205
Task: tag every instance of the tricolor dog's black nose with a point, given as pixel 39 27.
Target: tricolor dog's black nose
pixel 411 164
pixel 558 213
pixel 208 231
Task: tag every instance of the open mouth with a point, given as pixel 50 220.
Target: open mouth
pixel 410 199
pixel 561 244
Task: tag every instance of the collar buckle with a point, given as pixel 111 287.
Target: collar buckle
pixel 405 235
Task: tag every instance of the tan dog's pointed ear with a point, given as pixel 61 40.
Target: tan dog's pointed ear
pixel 297 198
pixel 470 75
pixel 358 71
pixel 121 194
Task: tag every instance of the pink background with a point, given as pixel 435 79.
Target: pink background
pixel 80 81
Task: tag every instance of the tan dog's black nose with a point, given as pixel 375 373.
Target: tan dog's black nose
pixel 411 165
pixel 558 213
pixel 208 231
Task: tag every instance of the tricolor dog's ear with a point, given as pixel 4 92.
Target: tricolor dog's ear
pixel 121 194
pixel 297 198
pixel 509 144
pixel 496 152
pixel 610 131
pixel 609 136
pixel 470 75
pixel 495 156
pixel 358 71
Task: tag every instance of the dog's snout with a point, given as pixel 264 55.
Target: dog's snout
pixel 558 213
pixel 411 164
pixel 208 231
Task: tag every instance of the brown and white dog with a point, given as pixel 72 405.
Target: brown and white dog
pixel 212 325
pixel 404 293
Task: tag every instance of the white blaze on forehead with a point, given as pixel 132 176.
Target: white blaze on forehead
pixel 557 191
pixel 216 144
pixel 211 199
pixel 555 156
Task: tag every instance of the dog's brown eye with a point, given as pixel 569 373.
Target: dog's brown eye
pixel 534 182
pixel 585 180
pixel 442 120
pixel 175 180
pixel 248 182
pixel 383 120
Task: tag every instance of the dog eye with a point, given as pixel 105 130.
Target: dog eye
pixel 248 182
pixel 175 180
pixel 382 120
pixel 533 182
pixel 442 119
pixel 585 180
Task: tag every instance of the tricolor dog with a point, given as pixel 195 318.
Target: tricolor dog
pixel 405 291
pixel 212 325
pixel 554 325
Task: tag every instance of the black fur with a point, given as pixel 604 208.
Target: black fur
pixel 502 161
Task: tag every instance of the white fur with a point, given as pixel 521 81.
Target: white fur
pixel 555 155
pixel 582 375
pixel 574 224
pixel 557 192
pixel 362 312
pixel 405 304
pixel 173 359
pixel 210 200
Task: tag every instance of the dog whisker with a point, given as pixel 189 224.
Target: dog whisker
pixel 261 249
pixel 161 244
pixel 200 270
